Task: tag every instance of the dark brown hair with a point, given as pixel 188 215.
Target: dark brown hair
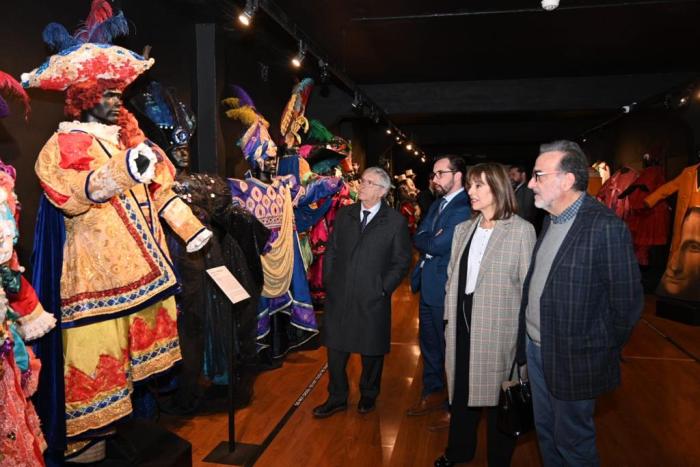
pixel 501 189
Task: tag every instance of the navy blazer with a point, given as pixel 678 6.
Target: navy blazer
pixel 434 238
pixel 591 300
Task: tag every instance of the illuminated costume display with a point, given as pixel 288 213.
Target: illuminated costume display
pixel 111 187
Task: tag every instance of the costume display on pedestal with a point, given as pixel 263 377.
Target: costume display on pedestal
pixel 22 318
pixel 613 187
pixel 206 313
pixel 682 276
pixel 111 186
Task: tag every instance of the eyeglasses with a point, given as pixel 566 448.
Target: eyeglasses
pixel 440 173
pixel 364 181
pixel 537 174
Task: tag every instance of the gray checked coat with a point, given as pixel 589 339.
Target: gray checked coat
pixel 495 308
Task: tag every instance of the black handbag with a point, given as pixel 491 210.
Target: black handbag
pixel 515 405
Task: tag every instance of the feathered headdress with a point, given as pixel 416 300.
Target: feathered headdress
pixel 170 123
pixel 256 143
pixel 87 54
pixel 293 118
pixel 10 87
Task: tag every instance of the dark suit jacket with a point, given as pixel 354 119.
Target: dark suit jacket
pixel 526 204
pixel 434 237
pixel 361 269
pixel 591 301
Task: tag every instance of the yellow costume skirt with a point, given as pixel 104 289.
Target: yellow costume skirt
pixel 102 360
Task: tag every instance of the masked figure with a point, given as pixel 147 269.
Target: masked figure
pixel 205 325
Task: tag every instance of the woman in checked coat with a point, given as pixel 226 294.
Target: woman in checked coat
pixel 490 259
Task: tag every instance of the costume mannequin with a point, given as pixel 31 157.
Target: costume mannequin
pixel 110 187
pixel 648 226
pixel 611 189
pixel 286 316
pixel 21 318
pixel 206 313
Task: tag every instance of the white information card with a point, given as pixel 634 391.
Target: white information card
pixel 228 284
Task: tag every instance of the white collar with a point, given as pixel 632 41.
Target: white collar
pixel 108 133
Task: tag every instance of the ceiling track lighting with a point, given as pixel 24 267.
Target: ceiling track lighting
pixel 246 16
pixel 298 59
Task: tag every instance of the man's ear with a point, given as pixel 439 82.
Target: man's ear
pixel 569 181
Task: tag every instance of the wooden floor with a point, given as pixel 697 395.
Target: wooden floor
pixel 653 419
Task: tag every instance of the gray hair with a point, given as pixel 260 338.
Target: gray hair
pixel 383 177
pixel 574 161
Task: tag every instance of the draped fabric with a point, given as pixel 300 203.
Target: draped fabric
pixel 47 263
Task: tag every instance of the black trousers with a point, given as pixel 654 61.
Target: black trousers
pixel 464 420
pixel 370 380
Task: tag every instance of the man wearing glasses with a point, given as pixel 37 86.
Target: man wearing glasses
pixel 434 242
pixel 581 298
pixel 368 253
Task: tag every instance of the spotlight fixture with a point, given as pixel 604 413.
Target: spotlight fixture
pixel 415 152
pixel 550 5
pixel 398 139
pixel 299 57
pixel 388 131
pixel 409 146
pixel 422 159
pixel 246 16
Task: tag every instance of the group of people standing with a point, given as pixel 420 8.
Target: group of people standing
pixel 491 293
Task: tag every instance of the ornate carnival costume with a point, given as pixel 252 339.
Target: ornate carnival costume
pixel 111 186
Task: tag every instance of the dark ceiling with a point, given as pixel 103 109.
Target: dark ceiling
pixel 488 76
pixel 453 40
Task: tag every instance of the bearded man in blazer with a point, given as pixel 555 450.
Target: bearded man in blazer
pixel 434 242
pixel 368 254
pixel 581 298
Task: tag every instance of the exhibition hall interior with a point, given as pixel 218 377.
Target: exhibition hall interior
pixel 322 233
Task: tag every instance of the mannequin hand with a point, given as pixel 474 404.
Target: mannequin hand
pixel 198 242
pixel 142 162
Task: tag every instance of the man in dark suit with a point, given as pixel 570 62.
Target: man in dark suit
pixel 434 241
pixel 524 196
pixel 368 254
pixel 581 299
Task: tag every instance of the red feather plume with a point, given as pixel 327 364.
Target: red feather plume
pixel 100 11
pixel 11 87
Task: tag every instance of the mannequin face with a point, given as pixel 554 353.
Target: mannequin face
pixel 107 110
pixel 180 156
pixel 682 274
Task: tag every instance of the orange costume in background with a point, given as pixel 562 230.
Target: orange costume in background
pixel 686 184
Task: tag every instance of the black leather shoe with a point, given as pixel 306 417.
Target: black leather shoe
pixel 443 461
pixel 365 405
pixel 328 408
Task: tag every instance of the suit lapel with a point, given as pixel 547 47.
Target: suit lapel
pixel 568 241
pixel 377 220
